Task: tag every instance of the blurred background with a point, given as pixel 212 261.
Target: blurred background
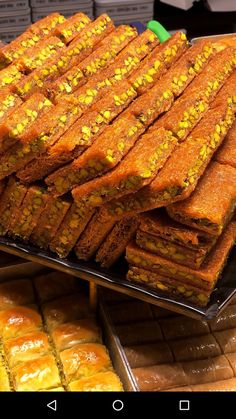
pixel 197 18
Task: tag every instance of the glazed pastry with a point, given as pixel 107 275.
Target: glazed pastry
pixel 183 327
pixel 226 340
pixel 69 334
pixel 207 370
pixel 4 380
pixel 54 285
pixel 115 243
pixel 38 374
pixel 160 377
pixel 66 309
pixel 212 204
pixel 136 170
pixel 28 214
pixel 94 234
pixel 15 293
pixel 83 135
pixel 26 348
pixel 18 321
pixel 10 76
pixel 195 348
pixel 131 311
pixel 139 332
pixel 17 125
pixel 70 230
pixel 227 153
pixel 147 355
pixel 225 320
pixel 84 360
pixel 10 201
pixel 103 381
pixel 222 385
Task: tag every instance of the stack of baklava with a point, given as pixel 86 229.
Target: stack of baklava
pixel 99 124
pixel 49 338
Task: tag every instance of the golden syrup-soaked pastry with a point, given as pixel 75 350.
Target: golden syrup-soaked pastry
pixel 10 77
pixel 18 321
pixel 49 221
pixel 84 360
pixel 182 171
pixel 19 122
pixel 70 230
pixel 150 354
pixel 139 332
pixel 232 360
pixel 160 377
pixel 28 214
pixel 103 381
pixel 38 374
pixel 9 102
pixel 131 311
pixel 66 309
pixel 72 333
pixel 79 138
pixel 38 55
pixel 71 27
pixel 136 170
pixel 225 320
pixel 183 327
pixel 94 234
pixel 15 293
pixel 211 206
pixel 10 201
pixel 47 25
pixel 115 243
pixel 26 348
pixel 4 380
pixel 226 340
pixel 203 278
pixel 222 385
pixel 207 370
pixel 194 348
pixel 227 152
pixel 173 287
pixel 54 285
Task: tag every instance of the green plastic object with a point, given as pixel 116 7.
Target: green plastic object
pixel 159 30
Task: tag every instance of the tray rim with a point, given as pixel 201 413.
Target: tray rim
pixel 103 278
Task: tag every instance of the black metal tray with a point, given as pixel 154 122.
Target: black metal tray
pixel 115 279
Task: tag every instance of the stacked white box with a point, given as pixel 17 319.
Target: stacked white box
pixel 42 8
pixel 15 17
pixel 126 11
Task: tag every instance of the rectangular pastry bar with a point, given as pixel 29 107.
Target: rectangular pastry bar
pixel 136 170
pixel 10 76
pixel 15 293
pixel 71 27
pixel 159 224
pixel 116 241
pixel 203 278
pixel 17 125
pixel 180 175
pixel 28 213
pixel 9 102
pixel 13 51
pixel 213 202
pixel 78 50
pixel 102 381
pixel 18 321
pixel 94 234
pixel 49 221
pixel 54 285
pixel 70 230
pixel 227 152
pixel 173 251
pixel 39 137
pixel 10 201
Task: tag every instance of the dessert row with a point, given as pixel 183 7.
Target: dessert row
pixel 50 340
